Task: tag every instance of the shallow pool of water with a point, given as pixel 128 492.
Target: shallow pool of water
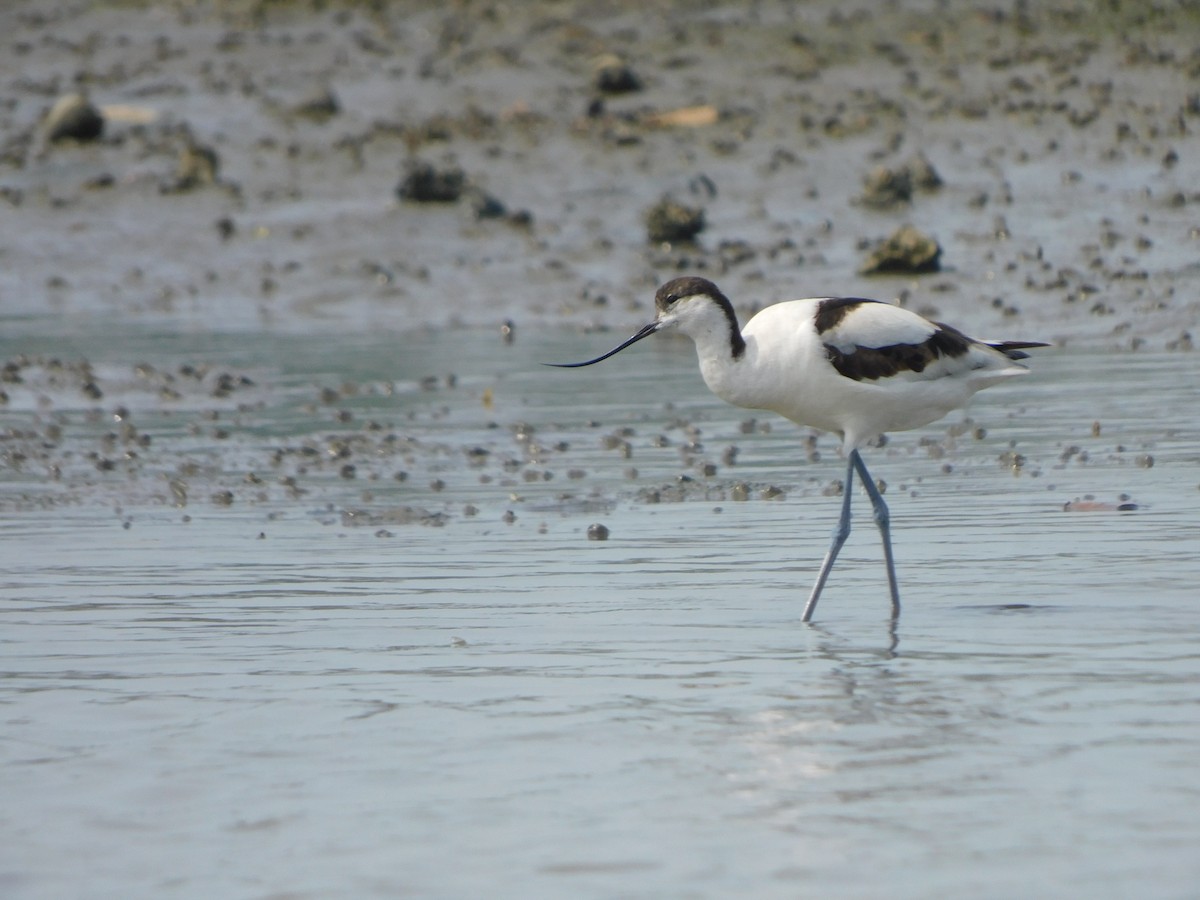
pixel 234 667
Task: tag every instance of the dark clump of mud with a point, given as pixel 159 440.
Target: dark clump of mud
pixel 73 117
pixel 199 166
pixel 669 221
pixel 614 75
pixel 907 249
pixel 887 187
pixel 425 183
pixel 597 532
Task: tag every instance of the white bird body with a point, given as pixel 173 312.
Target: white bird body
pixel 785 367
pixel 855 367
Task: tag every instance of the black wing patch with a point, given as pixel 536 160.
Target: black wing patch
pixel 832 310
pixel 872 363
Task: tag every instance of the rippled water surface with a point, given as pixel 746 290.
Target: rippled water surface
pixel 235 667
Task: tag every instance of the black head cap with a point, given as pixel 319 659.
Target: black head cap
pixel 688 286
pixel 692 286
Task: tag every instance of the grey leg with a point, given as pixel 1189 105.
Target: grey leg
pixel 839 537
pixel 883 520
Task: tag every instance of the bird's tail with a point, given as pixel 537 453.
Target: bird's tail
pixel 1015 349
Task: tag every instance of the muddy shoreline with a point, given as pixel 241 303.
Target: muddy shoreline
pixel 248 169
pixel 318 584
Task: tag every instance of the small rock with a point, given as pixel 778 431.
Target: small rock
pixel 668 222
pixel 100 182
pixel 924 176
pixel 319 106
pixel 484 205
pixel 614 76
pixel 885 188
pixel 72 117
pixel 908 250
pixel 1182 343
pixel 426 184
pixel 198 167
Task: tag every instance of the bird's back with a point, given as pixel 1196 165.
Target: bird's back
pixel 860 367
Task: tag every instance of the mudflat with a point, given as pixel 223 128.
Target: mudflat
pixel 277 165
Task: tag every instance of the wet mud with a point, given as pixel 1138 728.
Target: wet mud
pixel 333 169
pixel 264 165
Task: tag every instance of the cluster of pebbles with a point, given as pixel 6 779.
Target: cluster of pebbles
pixel 198 438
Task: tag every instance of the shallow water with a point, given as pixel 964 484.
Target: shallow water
pixel 357 686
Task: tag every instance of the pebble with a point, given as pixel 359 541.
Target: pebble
pixel 426 184
pixel 908 251
pixel 73 117
pixel 885 188
pixel 613 75
pixel 198 166
pixel 321 105
pixel 669 222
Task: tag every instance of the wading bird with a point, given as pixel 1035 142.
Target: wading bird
pixel 855 367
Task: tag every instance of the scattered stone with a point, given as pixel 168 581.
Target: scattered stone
pixel 426 184
pixel 922 173
pixel 198 167
pixel 484 205
pixel 1089 504
pixel 669 222
pixel 613 75
pixel 393 516
pixel 885 188
pixel 907 251
pixel 320 106
pixel 1183 343
pixel 74 118
pixel 100 182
